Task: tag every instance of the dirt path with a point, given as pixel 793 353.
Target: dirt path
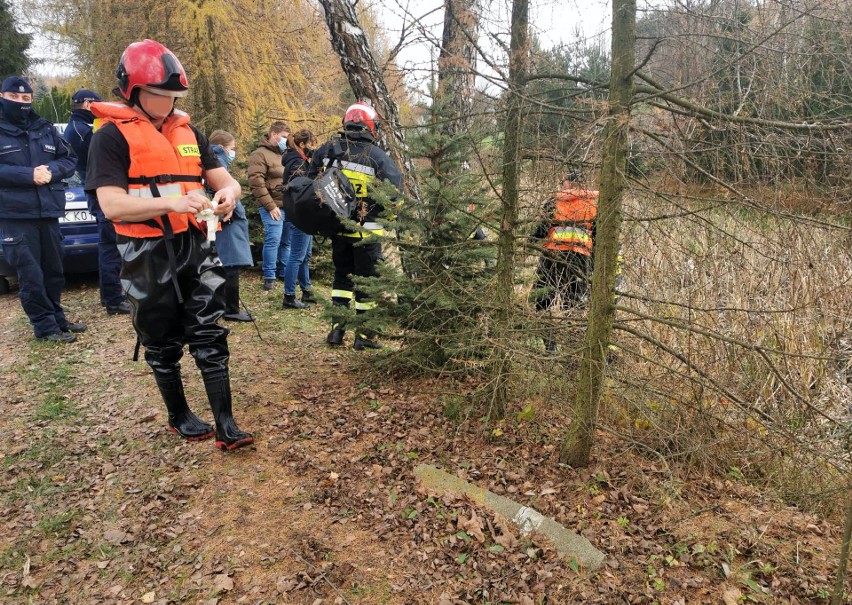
pixel 99 503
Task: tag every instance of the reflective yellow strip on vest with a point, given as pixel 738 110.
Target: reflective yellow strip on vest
pixel 572 234
pixel 348 294
pixel 367 228
pixel 170 190
pixel 365 306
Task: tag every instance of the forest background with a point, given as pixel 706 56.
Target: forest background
pixel 718 335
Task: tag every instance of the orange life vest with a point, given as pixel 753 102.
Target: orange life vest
pixel 571 228
pixel 165 161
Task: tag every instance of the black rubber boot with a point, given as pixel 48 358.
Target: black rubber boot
pixel 232 299
pixel 290 302
pixel 308 297
pixel 228 434
pixel 366 340
pixel 335 337
pixel 181 419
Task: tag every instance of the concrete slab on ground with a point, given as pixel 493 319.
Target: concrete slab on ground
pixel 527 519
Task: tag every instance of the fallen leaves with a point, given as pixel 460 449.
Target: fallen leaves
pixel 223 583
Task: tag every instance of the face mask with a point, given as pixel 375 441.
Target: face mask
pixel 232 154
pixel 282 144
pixel 16 113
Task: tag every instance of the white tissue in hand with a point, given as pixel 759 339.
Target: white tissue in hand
pixel 209 217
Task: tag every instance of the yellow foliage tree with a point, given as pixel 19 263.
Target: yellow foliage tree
pixel 244 58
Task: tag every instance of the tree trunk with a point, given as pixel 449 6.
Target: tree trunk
pixel 456 63
pixel 452 102
pixel 519 50
pixel 367 82
pixel 577 445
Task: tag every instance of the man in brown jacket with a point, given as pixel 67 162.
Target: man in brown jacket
pixel 265 177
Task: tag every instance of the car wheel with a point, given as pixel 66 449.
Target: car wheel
pixel 4 286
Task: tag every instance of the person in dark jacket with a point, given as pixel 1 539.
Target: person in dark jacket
pixel 78 133
pixel 296 161
pixel 232 243
pixel 363 163
pixel 34 159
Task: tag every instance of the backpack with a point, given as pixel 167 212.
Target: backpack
pixel 315 206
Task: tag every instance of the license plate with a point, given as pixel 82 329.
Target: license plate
pixel 77 216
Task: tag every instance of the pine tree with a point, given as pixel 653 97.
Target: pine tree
pixel 13 44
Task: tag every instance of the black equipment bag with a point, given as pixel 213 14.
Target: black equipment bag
pixel 315 206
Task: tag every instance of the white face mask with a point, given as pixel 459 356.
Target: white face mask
pixel 232 154
pixel 282 143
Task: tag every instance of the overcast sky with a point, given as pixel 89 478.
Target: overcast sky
pixel 553 21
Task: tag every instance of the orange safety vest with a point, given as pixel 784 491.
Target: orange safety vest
pixel 571 228
pixel 163 163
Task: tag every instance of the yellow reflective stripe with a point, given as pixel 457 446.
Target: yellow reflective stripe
pixel 365 306
pixel 173 190
pixel 360 234
pixel 358 177
pixel 342 294
pixel 572 233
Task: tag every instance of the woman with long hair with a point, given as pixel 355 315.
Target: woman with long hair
pixel 296 161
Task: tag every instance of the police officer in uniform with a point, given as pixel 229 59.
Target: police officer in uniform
pixel 147 164
pixel 354 151
pixel 78 133
pixel 33 161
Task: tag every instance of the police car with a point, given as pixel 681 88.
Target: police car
pixel 79 230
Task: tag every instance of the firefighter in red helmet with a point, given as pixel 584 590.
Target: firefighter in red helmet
pixel 146 166
pixel 357 253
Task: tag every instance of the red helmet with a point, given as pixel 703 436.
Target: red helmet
pixel 153 67
pixel 361 114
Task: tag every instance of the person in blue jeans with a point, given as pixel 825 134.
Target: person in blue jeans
pixel 295 162
pixel 265 177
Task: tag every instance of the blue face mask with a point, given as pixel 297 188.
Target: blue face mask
pixel 232 154
pixel 282 144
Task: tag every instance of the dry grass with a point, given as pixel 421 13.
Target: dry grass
pixel 738 325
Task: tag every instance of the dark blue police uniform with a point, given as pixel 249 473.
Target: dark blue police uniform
pixel 29 214
pixel 78 133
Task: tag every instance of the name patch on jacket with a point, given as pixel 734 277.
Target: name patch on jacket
pixel 49 148
pixel 188 150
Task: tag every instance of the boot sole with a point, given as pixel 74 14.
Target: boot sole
pixel 193 438
pixel 228 447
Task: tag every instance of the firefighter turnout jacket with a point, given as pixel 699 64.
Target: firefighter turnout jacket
pixel 363 162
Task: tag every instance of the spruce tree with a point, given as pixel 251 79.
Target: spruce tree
pixel 13 44
pixel 439 302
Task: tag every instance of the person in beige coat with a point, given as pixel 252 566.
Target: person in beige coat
pixel 265 177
